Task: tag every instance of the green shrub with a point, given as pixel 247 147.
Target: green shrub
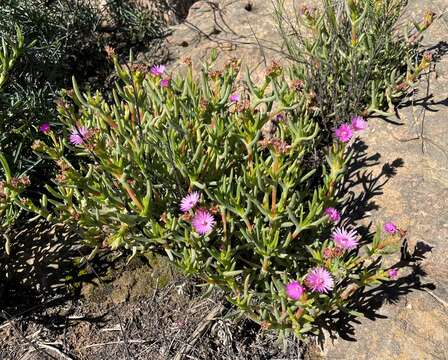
pixel 237 182
pixel 66 44
pixel 224 181
pixel 10 187
pixel 351 54
pixel 62 40
pixel 69 39
pixel 136 26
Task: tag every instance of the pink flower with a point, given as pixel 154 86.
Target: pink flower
pixel 333 214
pixel 44 128
pixel 203 222
pixel 157 70
pixel 392 273
pixel 390 228
pixel 344 133
pixel 344 239
pixel 165 83
pixel 189 201
pixel 358 123
pixel 294 290
pixel 279 117
pixel 78 135
pixel 319 280
pixel 234 97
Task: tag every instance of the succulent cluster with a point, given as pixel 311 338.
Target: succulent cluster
pixel 221 175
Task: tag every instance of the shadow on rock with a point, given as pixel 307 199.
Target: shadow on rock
pixel 361 186
pixel 421 97
pixel 426 102
pixel 368 302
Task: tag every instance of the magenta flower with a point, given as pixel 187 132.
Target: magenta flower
pixel 390 228
pixel 157 70
pixel 44 128
pixel 345 239
pixel 165 83
pixel 189 201
pixel 203 222
pixel 358 123
pixel 344 133
pixel 279 117
pixel 333 214
pixel 294 290
pixel 234 97
pixel 319 280
pixel 78 135
pixel 392 273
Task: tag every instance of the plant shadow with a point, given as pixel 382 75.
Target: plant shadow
pixel 368 302
pixel 42 270
pixel 426 101
pixel 422 96
pixel 361 186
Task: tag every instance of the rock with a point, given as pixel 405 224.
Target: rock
pixel 174 11
pixel 412 322
pixel 132 283
pixel 243 29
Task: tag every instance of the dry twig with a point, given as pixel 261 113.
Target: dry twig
pixel 202 327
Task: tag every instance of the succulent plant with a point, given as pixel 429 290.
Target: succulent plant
pixel 10 186
pixel 219 173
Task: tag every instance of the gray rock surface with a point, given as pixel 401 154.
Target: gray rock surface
pixel 236 28
pixel 407 174
pixel 415 324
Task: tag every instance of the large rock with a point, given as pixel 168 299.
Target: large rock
pixel 411 183
pixel 174 11
pixel 240 29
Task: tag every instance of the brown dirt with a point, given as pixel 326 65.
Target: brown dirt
pixel 149 311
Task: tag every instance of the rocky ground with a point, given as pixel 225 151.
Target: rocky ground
pixel 413 322
pixel 151 312
pixel 236 28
